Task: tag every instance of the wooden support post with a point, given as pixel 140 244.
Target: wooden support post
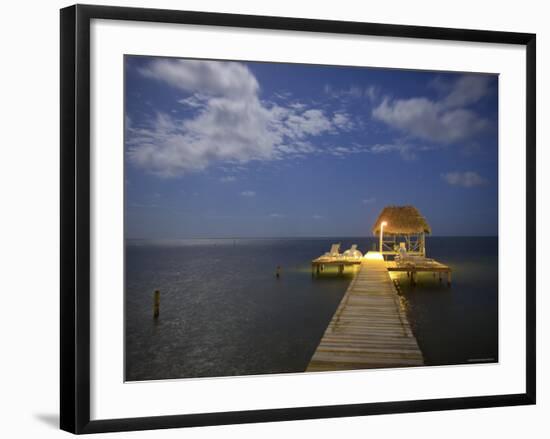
pixel 449 278
pixel 423 243
pixel 318 268
pixel 278 272
pixel 440 280
pixel 341 269
pixel 156 304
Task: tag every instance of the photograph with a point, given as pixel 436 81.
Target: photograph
pixel 284 218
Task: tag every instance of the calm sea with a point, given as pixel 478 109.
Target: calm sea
pixel 223 311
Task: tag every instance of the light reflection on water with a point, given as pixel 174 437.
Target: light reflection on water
pixel 223 311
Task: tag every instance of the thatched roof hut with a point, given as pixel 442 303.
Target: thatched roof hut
pixel 401 220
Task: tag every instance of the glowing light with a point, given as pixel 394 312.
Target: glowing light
pixel 382 225
pixel 374 255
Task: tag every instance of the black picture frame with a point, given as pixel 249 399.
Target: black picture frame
pixel 75 217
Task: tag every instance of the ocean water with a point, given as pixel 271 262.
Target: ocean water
pixel 223 311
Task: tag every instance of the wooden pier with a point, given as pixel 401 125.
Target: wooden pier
pixel 430 266
pixel 424 265
pixel 318 265
pixel 370 328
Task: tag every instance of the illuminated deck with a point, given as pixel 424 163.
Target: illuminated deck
pixel 430 266
pixel 411 268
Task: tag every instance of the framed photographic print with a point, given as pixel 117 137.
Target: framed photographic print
pixel 269 218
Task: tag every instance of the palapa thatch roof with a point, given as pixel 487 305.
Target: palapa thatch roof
pixel 401 220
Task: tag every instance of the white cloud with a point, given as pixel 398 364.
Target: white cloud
pixel 341 151
pixel 285 95
pixel 467 179
pixel 368 200
pixel 406 151
pixel 344 150
pixel 310 122
pixel 248 193
pixel 194 101
pixel 381 148
pixel 372 93
pixel 297 105
pixel 342 121
pixel 428 120
pixel 317 217
pixel 353 92
pixel 277 215
pixel 208 77
pixel 467 90
pixel 442 121
pixel 228 179
pixel 440 85
pixel 231 125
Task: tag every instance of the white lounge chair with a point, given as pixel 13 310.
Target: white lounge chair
pixel 404 258
pixel 353 253
pixel 334 251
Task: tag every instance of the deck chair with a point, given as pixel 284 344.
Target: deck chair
pixel 404 258
pixel 353 253
pixel 334 251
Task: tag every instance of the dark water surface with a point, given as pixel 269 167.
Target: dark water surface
pixel 223 311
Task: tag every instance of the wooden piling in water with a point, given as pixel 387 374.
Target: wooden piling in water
pixel 156 304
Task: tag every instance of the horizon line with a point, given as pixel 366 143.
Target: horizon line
pixel 300 237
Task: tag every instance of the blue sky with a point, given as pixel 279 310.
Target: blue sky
pixel 245 149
